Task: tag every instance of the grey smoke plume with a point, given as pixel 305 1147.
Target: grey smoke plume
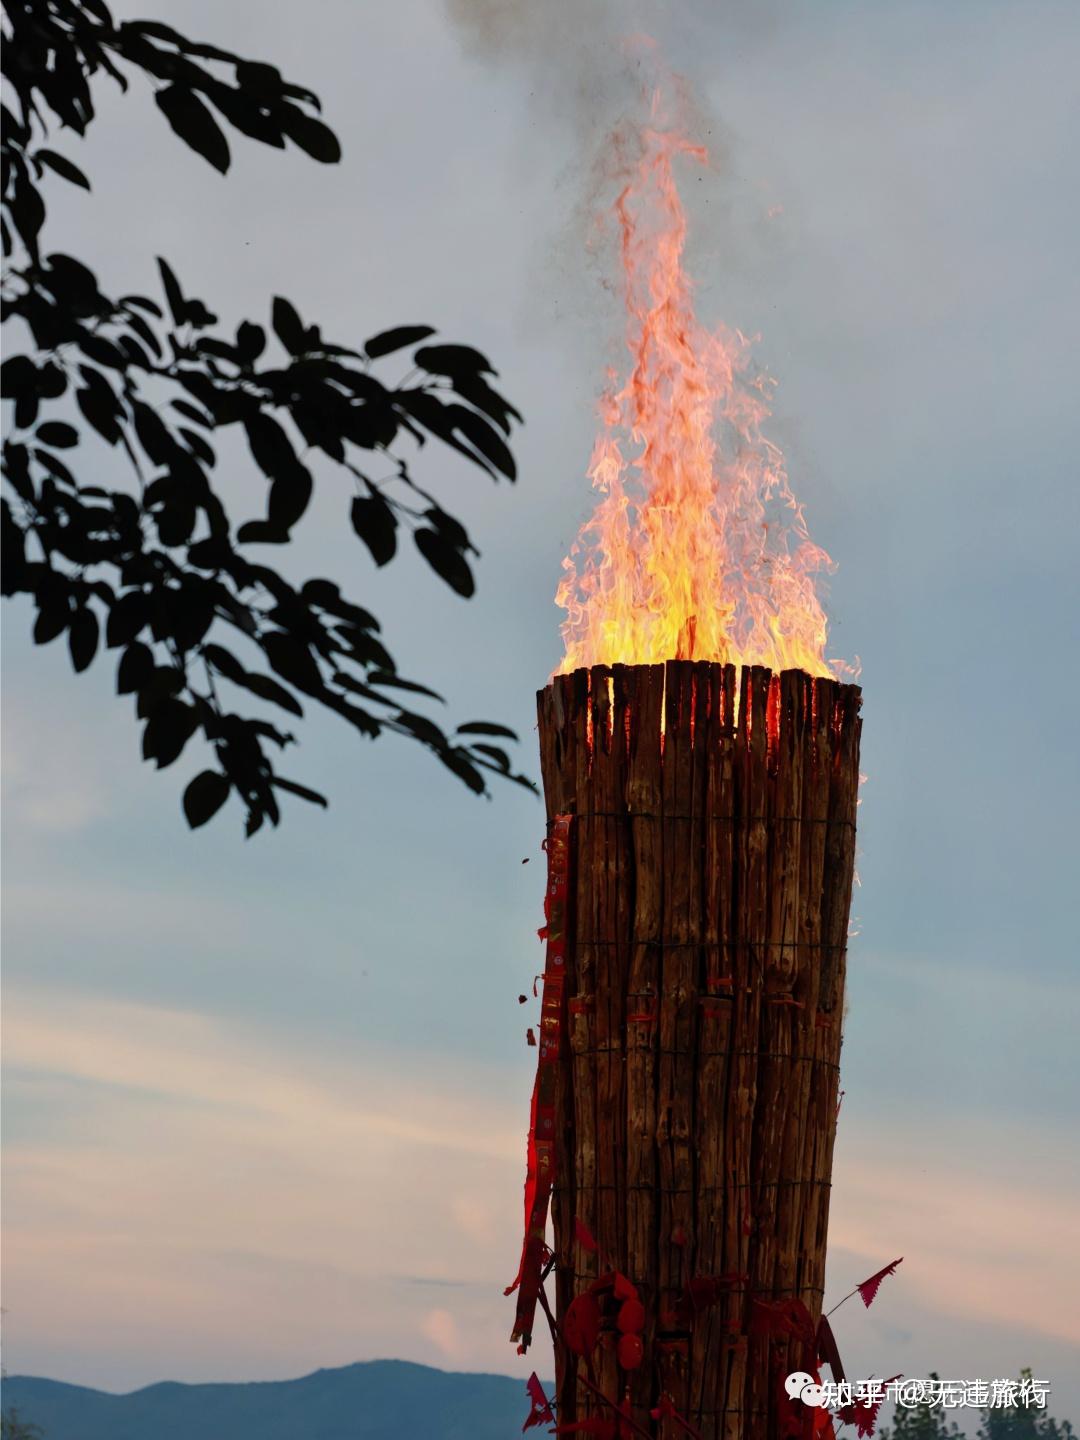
pixel 569 52
pixel 574 52
pixel 582 69
pixel 587 69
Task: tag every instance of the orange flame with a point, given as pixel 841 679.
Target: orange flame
pixel 697 548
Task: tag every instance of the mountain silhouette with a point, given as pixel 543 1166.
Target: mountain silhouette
pixel 375 1400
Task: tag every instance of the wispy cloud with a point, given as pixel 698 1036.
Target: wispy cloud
pixel 213 1172
pixel 219 1184
pixel 975 1245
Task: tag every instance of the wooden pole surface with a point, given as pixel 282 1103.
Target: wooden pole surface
pixel 714 840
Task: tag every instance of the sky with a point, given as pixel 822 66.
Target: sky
pixel 265 1103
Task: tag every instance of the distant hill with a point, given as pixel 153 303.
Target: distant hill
pixel 377 1400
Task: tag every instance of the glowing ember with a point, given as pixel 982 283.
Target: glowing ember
pixel 697 548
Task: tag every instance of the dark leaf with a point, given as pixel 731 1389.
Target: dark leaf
pixel 447 561
pixel 63 167
pixel 423 728
pixel 83 638
pixel 173 293
pixel 18 374
pixel 59 435
pixel 204 797
pixel 27 211
pixel 478 392
pixel 376 524
pixel 99 404
pixel 288 326
pixel 312 136
pixel 327 595
pixel 261 79
pixel 134 352
pixel 464 769
pixel 486 727
pixel 194 124
pixel 103 351
pixel 290 493
pixel 142 303
pixel 384 679
pixel 293 661
pixel 372 425
pixel 261 532
pixel 175 522
pixel 127 617
pixel 74 284
pixel 197 444
pixel 135 668
pixel 248 116
pixel 490 444
pixel 153 434
pixel 250 341
pixel 26 410
pixel 17 469
pixel 389 340
pixel 449 528
pixel 270 690
pixel 192 412
pixel 51 381
pixel 170 726
pixel 270 446
pixel 53 617
pixel 493 752
pixel 261 685
pixel 453 360
pixel 433 415
pixel 162 682
pixel 100 417
pixel 213 553
pixel 219 349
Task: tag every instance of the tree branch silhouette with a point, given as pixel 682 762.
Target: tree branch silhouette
pixel 156 568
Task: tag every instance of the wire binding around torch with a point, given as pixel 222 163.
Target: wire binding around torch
pixel 675 1054
pixel 716 944
pixel 709 819
pixel 690 1189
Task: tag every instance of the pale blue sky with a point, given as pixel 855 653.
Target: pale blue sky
pixel 261 1097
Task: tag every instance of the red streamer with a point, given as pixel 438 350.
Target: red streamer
pixel 540 1172
pixel 541 1412
pixel 869 1288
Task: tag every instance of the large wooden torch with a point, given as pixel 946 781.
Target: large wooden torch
pixel 687 1092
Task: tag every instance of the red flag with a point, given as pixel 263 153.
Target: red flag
pixel 869 1288
pixel 540 1414
pixel 863 1413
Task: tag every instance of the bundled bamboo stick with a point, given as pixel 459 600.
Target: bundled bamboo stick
pixel 714 837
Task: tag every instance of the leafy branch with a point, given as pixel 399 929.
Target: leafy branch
pixel 155 569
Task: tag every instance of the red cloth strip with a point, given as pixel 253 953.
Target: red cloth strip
pixel 540 1172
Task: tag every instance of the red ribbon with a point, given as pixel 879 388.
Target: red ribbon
pixel 541 1412
pixel 540 1172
